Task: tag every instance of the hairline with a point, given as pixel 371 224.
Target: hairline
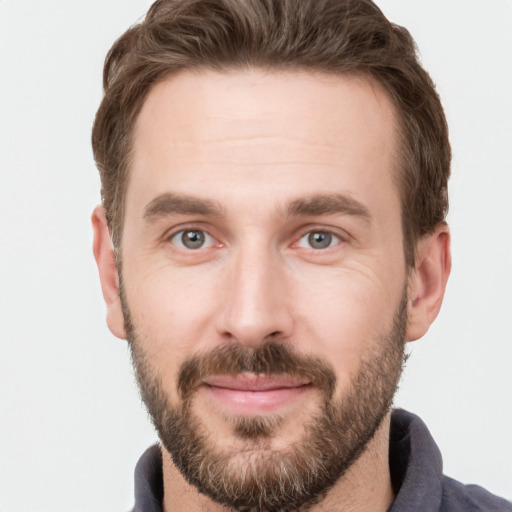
pixel 400 156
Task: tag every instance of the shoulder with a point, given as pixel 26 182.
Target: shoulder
pixel 470 498
pixel 416 469
pixel 149 489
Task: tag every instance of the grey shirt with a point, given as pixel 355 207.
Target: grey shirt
pixel 416 472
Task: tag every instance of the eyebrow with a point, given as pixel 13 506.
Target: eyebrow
pixel 319 204
pixel 173 204
pixel 326 204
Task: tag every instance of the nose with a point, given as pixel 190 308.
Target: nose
pixel 255 305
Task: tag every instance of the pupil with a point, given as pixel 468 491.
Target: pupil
pixel 193 239
pixel 320 240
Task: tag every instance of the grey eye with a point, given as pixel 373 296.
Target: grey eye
pixel 318 240
pixel 191 239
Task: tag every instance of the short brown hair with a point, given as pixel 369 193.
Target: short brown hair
pixel 329 36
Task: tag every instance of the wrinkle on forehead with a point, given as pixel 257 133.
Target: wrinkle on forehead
pixel 252 103
pixel 258 133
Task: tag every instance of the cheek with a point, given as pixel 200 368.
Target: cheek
pixel 344 316
pixel 171 312
pixel 171 301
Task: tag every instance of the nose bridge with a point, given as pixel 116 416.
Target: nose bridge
pixel 255 304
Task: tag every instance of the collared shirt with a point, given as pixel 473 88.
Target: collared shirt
pixel 416 473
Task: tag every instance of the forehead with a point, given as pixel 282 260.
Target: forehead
pixel 265 132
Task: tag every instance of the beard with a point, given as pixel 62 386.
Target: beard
pixel 256 477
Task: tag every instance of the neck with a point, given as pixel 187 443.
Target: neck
pixel 365 487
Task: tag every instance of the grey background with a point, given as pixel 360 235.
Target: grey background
pixel 71 422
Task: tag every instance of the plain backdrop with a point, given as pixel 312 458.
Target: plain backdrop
pixel 71 423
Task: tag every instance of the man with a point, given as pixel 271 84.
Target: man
pixel 274 183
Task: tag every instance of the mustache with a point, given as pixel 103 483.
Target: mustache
pixel 269 359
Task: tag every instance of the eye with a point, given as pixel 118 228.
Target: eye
pixel 192 239
pixel 318 240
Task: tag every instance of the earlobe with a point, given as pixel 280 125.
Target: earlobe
pixel 427 281
pixel 105 260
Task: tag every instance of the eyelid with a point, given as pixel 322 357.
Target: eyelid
pixel 176 239
pixel 339 233
pixel 335 240
pixel 170 234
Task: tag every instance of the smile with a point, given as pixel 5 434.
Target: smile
pixel 251 394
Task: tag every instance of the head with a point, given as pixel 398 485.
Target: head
pixel 347 37
pixel 272 232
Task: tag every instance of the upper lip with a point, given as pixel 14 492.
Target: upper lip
pixel 253 382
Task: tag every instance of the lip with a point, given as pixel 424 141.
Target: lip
pixel 251 394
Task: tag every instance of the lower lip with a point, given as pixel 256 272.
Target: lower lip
pixel 255 402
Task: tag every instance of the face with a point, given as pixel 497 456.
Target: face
pixel 263 277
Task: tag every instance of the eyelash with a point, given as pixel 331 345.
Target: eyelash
pixel 177 239
pixel 208 239
pixel 331 237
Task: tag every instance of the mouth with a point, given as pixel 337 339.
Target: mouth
pixel 251 394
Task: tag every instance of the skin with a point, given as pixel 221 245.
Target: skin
pixel 253 144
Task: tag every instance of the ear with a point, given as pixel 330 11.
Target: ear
pixel 427 281
pixel 105 259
